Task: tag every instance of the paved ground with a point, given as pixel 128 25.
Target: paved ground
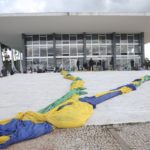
pixel 92 137
pixel 23 92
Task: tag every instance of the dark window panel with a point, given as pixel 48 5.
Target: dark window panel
pixel 50 37
pixel 73 39
pixel 80 38
pixel 118 39
pixel 58 39
pixel 35 39
pixel 65 38
pixel 136 38
pixel 94 38
pixel 123 53
pixel 88 39
pixel 123 38
pixel 43 40
pixel 102 39
pixel 109 38
pixel 130 38
pixel 28 40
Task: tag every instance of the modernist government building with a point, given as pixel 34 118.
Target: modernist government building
pixel 49 40
pixel 117 50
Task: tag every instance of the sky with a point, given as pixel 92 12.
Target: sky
pixel 20 6
pixel 29 6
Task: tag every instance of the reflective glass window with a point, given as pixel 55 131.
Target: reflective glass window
pixel 117 49
pixel 123 49
pixel 103 50
pixel 29 51
pixel 66 50
pixel 131 50
pixel 80 49
pixel 137 49
pixel 73 50
pixel 95 49
pixel 43 51
pixel 35 50
pixel 58 50
pixel 50 50
pixel 89 49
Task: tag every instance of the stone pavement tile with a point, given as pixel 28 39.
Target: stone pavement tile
pixel 86 138
pixel 137 136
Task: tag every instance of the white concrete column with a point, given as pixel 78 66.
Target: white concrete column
pixel 20 60
pixel 12 61
pixel 1 59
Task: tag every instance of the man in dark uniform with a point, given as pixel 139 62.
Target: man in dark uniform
pixel 91 63
pixel 78 64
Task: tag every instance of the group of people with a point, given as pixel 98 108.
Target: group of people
pixel 90 65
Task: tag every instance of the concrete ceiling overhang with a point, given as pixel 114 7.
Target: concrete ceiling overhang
pixel 13 25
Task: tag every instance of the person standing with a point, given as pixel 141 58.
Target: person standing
pixel 132 64
pixel 99 65
pixel 103 64
pixel 91 63
pixel 78 64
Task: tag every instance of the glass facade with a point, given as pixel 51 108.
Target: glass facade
pixel 41 50
pixel 128 50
